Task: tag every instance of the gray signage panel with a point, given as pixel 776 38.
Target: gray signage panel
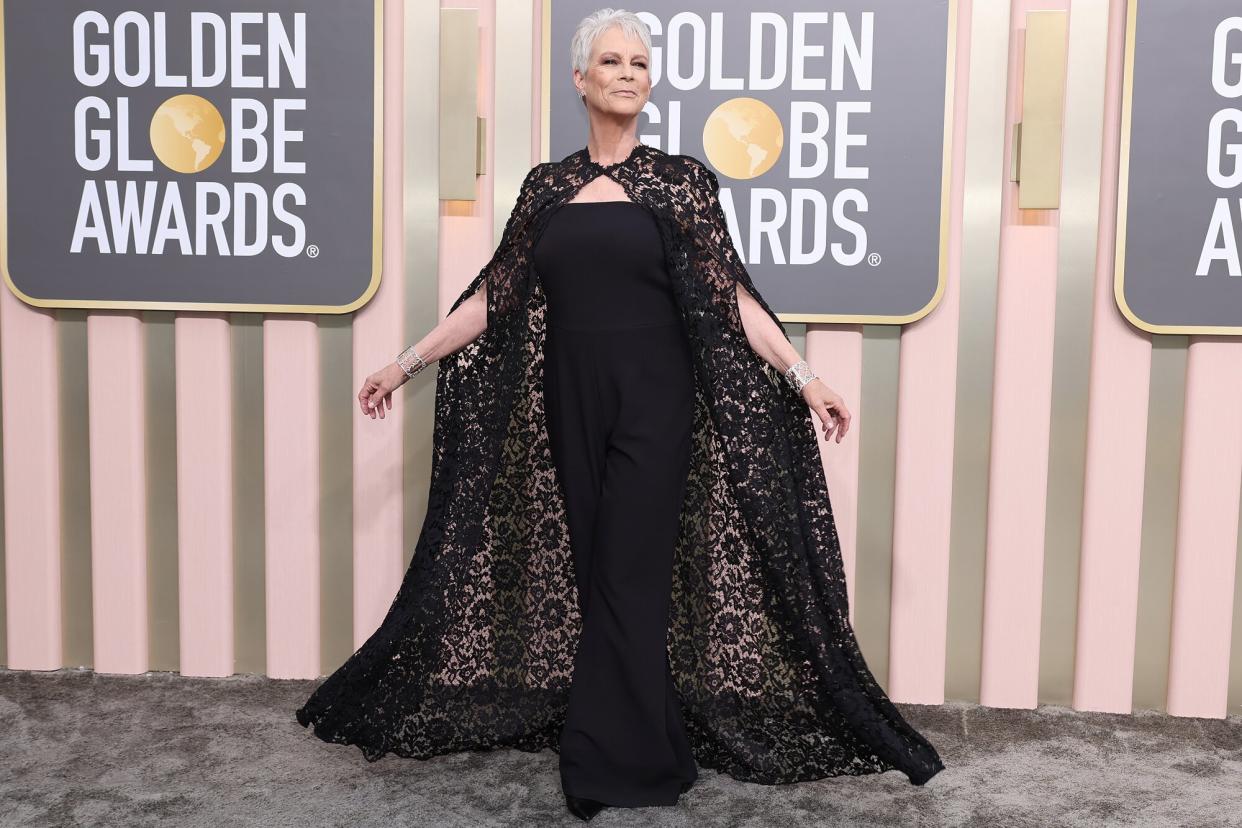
pixel 829 129
pixel 206 156
pixel 1178 268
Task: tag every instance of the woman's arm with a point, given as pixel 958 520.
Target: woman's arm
pixel 767 340
pixel 468 319
pixel 455 331
pixel 710 231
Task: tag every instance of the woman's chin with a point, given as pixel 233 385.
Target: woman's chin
pixel 627 105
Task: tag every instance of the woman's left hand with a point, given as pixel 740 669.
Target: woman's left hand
pixel 829 406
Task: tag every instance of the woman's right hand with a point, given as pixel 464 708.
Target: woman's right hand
pixel 376 393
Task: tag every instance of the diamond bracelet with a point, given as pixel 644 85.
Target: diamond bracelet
pixel 411 363
pixel 799 374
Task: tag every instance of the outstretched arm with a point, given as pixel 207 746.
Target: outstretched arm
pixel 766 337
pixel 763 330
pixel 495 291
pixel 455 331
pixel 458 329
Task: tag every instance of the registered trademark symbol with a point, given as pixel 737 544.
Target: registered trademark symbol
pixel 312 250
pixel 873 259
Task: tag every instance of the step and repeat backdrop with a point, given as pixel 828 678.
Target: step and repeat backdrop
pixel 219 218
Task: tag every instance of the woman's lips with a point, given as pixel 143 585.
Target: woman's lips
pixel 626 92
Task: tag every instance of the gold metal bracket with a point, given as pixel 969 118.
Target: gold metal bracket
pixel 463 145
pixel 1037 137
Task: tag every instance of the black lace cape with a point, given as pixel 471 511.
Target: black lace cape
pixel 477 649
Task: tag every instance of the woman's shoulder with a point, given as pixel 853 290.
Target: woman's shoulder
pixel 538 178
pixel 695 173
pixel 543 168
pixel 681 163
pixel 688 162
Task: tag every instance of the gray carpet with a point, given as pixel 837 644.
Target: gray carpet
pixel 81 748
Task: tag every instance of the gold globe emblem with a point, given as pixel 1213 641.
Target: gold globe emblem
pixel 187 133
pixel 743 138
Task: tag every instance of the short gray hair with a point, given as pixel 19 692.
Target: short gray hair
pixel 598 22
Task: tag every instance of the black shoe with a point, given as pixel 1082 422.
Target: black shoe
pixel 685 786
pixel 583 809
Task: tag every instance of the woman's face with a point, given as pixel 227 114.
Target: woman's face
pixel 618 78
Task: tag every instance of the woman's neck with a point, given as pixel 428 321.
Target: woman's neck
pixel 611 150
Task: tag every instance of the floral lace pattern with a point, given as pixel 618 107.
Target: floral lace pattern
pixel 476 651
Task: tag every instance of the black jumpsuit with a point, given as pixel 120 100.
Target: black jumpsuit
pixel 619 391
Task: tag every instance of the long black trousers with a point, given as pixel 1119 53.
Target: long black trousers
pixel 620 407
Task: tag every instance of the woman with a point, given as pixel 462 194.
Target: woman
pixel 629 554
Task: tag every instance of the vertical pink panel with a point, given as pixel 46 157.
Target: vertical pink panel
pixel 117 394
pixel 291 494
pixel 1112 515
pixel 1207 529
pixel 1021 413
pixel 834 353
pixel 204 493
pixel 1018 471
pixel 29 367
pixel 923 497
pixel 378 338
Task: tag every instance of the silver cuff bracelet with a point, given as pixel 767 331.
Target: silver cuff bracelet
pixel 799 374
pixel 411 362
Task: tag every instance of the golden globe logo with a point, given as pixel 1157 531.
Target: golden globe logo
pixel 743 138
pixel 187 134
